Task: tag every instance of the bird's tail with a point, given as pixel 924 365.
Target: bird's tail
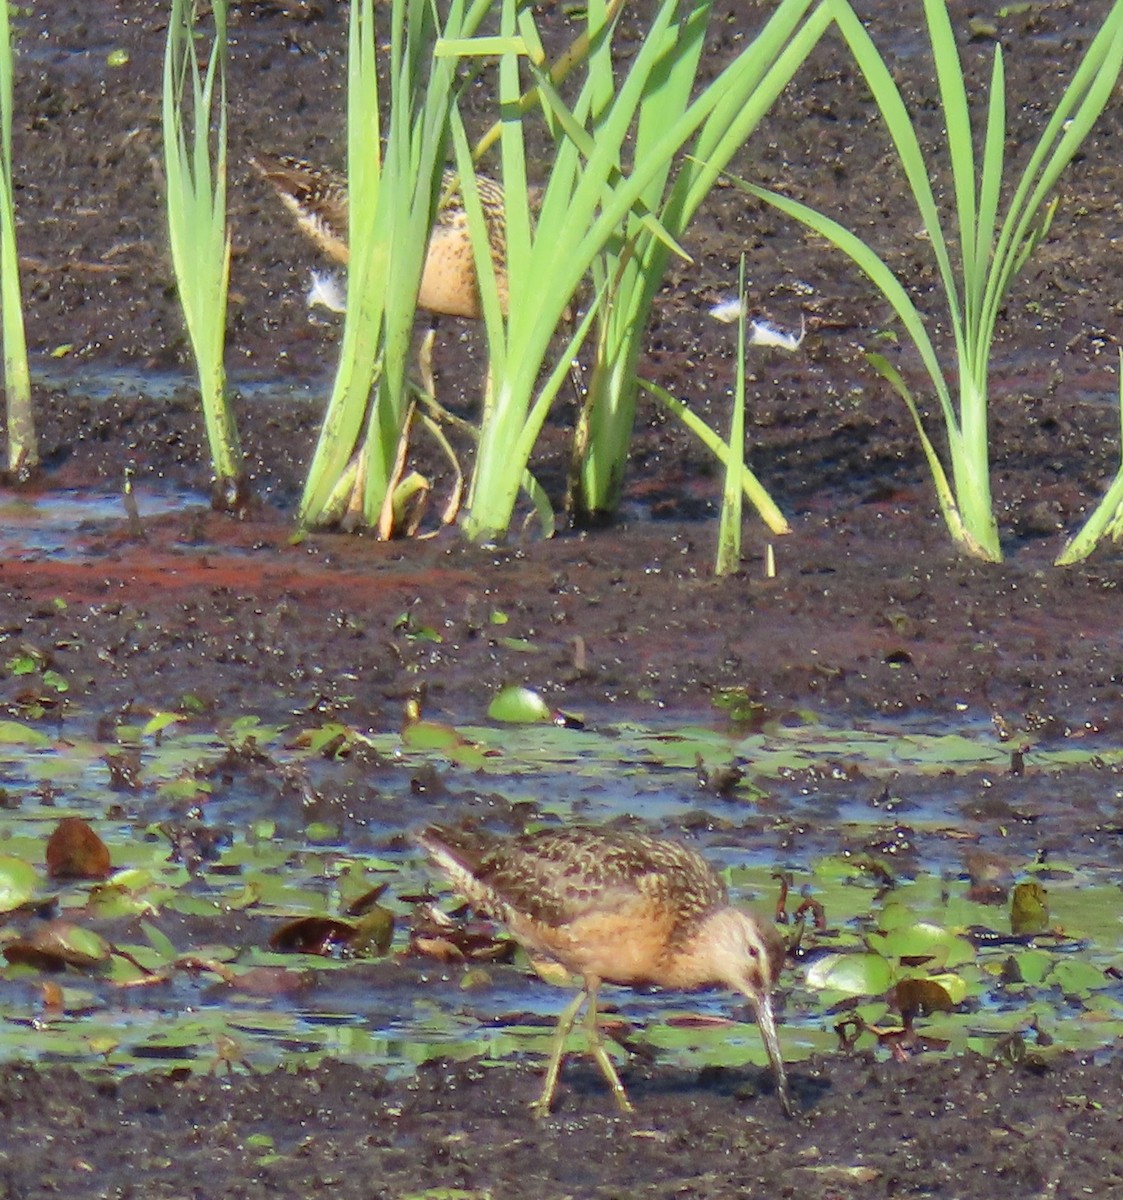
pixel 456 852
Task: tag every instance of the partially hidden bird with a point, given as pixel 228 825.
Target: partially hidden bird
pixel 616 907
pixel 317 197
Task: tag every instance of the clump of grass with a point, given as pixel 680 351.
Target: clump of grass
pixel 721 119
pixel 394 187
pixel 594 206
pixel 23 451
pixel 194 120
pixel 991 251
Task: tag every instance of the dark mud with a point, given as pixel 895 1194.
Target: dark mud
pixel 871 610
pixel 970 1130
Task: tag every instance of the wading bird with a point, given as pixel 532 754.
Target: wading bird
pixel 317 197
pixel 617 907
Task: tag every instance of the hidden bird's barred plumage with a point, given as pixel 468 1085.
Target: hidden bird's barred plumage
pixel 317 197
pixel 617 907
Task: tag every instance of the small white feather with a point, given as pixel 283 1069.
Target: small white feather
pixel 763 334
pixel 326 291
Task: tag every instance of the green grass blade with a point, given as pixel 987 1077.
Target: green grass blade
pixel 728 558
pixel 195 137
pixel 1077 111
pixel 990 189
pixel 879 274
pixel 957 122
pixel 888 98
pixel 754 490
pixel 23 451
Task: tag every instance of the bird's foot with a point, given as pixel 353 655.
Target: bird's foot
pixel 622 1101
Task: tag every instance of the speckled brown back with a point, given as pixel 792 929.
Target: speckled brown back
pixel 557 877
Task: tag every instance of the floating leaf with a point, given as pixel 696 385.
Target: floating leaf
pixel 271 981
pixel 158 722
pixel 853 974
pixel 374 932
pixel 17 882
pixel 312 935
pixel 322 832
pixel 924 942
pixel 110 901
pixel 519 645
pixel 432 735
pixel 919 997
pixel 159 941
pixel 1029 909
pixel 74 851
pixel 518 706
pixel 12 733
pixel 895 915
pixel 54 945
pixel 54 681
pixel 1076 978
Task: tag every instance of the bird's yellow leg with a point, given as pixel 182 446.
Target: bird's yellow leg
pixel 541 1107
pixel 597 1050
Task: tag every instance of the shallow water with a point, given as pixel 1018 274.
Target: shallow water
pixel 890 812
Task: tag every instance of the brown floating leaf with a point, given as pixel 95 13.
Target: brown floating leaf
pixel 74 851
pixel 312 935
pixel 271 981
pixel 917 997
pixel 52 998
pixel 55 945
pixel 440 948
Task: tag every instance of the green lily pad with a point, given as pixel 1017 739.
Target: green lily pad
pixel 13 733
pixel 519 706
pixel 17 882
pixel 852 974
pixel 924 941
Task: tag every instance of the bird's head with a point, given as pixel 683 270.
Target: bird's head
pixel 747 956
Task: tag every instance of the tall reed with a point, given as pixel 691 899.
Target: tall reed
pixel 394 187
pixel 597 201
pixel 194 121
pixel 991 251
pixel 23 450
pixel 632 267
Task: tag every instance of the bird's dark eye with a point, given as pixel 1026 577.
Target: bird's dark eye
pixel 754 952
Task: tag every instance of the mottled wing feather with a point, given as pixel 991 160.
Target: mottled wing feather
pixel 316 196
pixel 565 876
